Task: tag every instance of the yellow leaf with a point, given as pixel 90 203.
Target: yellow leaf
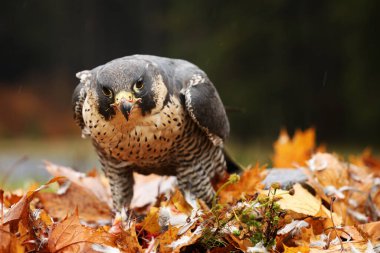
pixel 302 202
pixel 150 223
pixel 180 203
pixel 299 249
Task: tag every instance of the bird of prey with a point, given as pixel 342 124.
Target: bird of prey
pixel 152 114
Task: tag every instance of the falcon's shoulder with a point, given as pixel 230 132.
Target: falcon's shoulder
pixel 205 107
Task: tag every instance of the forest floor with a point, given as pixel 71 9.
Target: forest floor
pixel 310 201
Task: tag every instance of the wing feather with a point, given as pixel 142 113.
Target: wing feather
pixel 205 107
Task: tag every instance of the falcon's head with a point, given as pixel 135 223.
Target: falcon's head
pixel 131 87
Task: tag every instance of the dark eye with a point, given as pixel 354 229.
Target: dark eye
pixel 107 92
pixel 138 85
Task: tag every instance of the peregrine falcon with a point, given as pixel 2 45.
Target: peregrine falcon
pixel 152 114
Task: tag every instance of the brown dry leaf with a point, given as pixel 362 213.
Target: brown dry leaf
pixel 290 152
pixel 41 224
pixel 226 249
pixel 9 242
pixel 372 229
pixel 317 224
pixel 11 199
pixel 171 242
pixel 249 183
pixel 20 210
pixel 300 237
pixel 369 231
pixel 94 184
pixel 167 238
pixel 328 170
pixel 70 236
pixel 89 206
pixel 238 243
pixel 146 188
pixel 128 240
pixel 360 246
pixel 367 159
pixel 328 220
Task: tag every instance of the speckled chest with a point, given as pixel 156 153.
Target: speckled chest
pixel 145 141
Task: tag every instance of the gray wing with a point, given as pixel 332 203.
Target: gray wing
pixel 206 108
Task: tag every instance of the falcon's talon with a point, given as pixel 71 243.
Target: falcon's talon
pixel 177 126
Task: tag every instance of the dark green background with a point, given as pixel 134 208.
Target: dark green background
pixel 276 63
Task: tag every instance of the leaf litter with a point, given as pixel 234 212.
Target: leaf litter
pixel 335 208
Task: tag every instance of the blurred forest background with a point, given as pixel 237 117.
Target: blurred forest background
pixel 292 64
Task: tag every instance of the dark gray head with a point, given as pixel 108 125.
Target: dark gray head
pixel 129 84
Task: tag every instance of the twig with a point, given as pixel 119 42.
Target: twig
pixel 332 220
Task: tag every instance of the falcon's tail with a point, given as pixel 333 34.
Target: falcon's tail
pixel 232 166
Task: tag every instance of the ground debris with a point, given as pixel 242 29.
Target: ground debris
pixel 334 207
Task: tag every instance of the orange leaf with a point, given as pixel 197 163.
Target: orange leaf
pixel 20 209
pixel 249 183
pixel 70 236
pixel 372 229
pixel 178 201
pixel 9 242
pixel 171 242
pixel 299 249
pixel 368 160
pixel 128 240
pixel 150 223
pixel 290 152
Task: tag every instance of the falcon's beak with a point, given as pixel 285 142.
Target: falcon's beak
pixel 125 101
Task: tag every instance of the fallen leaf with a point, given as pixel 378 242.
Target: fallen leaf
pixel 93 184
pixel 294 227
pixel 250 182
pixel 293 152
pixel 361 246
pixel 11 199
pixel 367 159
pixel 180 204
pixel 302 203
pixel 299 249
pixel 20 210
pixel 372 229
pixel 150 222
pixel 241 244
pixel 328 170
pixel 128 240
pixel 90 207
pixel 147 188
pixel 70 236
pixel 9 242
pixel 171 242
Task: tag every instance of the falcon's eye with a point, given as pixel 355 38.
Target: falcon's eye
pixel 107 92
pixel 138 85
